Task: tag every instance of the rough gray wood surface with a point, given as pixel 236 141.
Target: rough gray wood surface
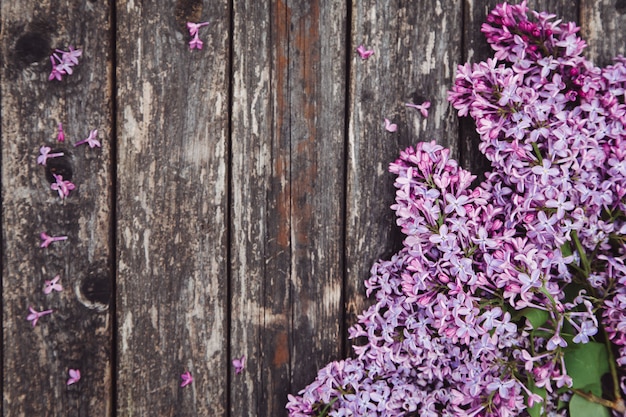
pixel 172 208
pixel 78 334
pixel 288 196
pixel 240 196
pixel 416 48
pixel 603 26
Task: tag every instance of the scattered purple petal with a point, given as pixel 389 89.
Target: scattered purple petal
pixel 239 364
pixel 423 108
pixel 44 152
pixel 390 127
pixel 47 240
pixel 364 53
pixel 74 376
pixel 90 140
pixel 61 134
pixel 186 379
pixel 52 285
pixel 63 187
pixel 193 27
pixel 62 65
pixel 35 315
pixel 195 43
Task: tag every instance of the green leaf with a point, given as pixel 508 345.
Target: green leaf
pixel 586 364
pixel 580 407
pixel 566 250
pixel 536 317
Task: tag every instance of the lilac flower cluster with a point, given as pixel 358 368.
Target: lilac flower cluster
pixel 553 127
pixel 501 290
pixel 62 65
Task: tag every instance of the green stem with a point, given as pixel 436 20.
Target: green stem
pixel 617 405
pixel 537 153
pixel 613 368
pixel 581 252
pixel 324 412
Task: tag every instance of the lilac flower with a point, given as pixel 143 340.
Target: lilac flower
pixel 239 364
pixel 44 151
pixel 63 187
pixel 74 376
pixel 34 315
pixel 456 204
pixel 556 341
pixel 195 42
pixel 423 108
pixel 47 240
pixel 364 53
pixel 90 140
pixel 587 329
pixel 561 205
pixel 545 171
pixel 52 285
pixel 186 379
pixel 502 387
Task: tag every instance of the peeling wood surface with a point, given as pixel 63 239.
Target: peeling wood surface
pixel 172 207
pixel 288 196
pixel 416 49
pixel 603 26
pixel 78 334
pixel 239 199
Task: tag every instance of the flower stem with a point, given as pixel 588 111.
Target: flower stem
pixel 613 368
pixel 581 252
pixel 324 412
pixel 617 405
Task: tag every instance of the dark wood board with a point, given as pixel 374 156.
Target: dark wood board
pixel 78 333
pixel 288 197
pixel 172 209
pixel 416 50
pixel 603 26
pixel 240 196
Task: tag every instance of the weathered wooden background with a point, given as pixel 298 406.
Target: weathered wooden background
pixel 239 198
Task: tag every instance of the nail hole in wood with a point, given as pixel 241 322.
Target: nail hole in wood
pixel 94 290
pixel 32 47
pixel 59 166
pixel 188 11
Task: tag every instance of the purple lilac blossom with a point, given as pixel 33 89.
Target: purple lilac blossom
pixel 542 237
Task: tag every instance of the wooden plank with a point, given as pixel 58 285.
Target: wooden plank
pixel 259 183
pixel 172 209
pixel 476 49
pixel 288 167
pixel 78 333
pixel 416 50
pixel 603 27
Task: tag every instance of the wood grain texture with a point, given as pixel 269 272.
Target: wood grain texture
pixel 259 254
pixel 239 199
pixel 288 186
pixel 78 333
pixel 603 26
pixel 172 209
pixel 416 49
